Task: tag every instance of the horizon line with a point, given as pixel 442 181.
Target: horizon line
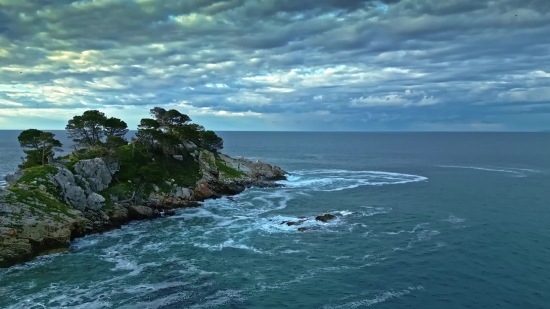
pixel 336 131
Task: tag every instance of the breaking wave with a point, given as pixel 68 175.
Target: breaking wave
pixel 518 172
pixel 336 180
pixel 184 260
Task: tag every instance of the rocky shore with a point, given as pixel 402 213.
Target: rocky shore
pixel 44 208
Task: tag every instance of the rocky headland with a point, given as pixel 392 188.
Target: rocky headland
pixel 44 207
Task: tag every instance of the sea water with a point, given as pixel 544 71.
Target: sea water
pixel 423 220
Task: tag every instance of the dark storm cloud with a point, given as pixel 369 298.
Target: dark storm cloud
pixel 406 64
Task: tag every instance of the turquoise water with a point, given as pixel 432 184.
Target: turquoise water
pixel 442 220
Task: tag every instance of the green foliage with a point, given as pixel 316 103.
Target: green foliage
pixel 170 119
pixel 37 172
pixel 120 191
pixel 170 129
pixel 228 170
pixel 32 158
pixel 44 201
pixel 210 141
pixel 190 132
pixel 114 127
pixel 92 126
pixel 37 145
pixel 136 164
pixel 41 200
pixel 147 161
pixel 114 141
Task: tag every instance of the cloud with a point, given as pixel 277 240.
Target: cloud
pixel 278 65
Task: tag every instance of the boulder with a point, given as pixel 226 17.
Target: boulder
pixel 119 215
pixel 12 179
pixel 325 217
pixel 96 171
pixel 302 229
pixel 203 190
pixel 182 193
pixel 168 212
pixel 291 223
pixel 73 194
pixel 142 213
pixel 95 201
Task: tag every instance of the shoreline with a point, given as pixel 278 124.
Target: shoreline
pixel 42 210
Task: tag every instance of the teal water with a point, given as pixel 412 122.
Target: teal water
pixel 424 220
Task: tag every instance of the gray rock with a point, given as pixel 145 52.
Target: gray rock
pixel 73 194
pixel 83 183
pixel 189 145
pixel 183 193
pixel 11 179
pixel 142 212
pixel 96 172
pixel 95 201
pixel 42 187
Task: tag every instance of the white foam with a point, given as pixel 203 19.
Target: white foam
pixel 482 169
pixel 230 243
pixel 426 235
pixel 453 219
pixel 417 227
pixel 289 251
pixel 378 299
pixel 337 180
pixel 527 170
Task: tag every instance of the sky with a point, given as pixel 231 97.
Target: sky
pixel 280 65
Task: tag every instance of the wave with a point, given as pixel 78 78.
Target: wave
pixel 337 180
pixel 453 219
pixel 378 299
pixel 520 172
pixel 221 225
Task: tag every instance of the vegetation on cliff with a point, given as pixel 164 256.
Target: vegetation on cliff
pixel 108 181
pixel 163 148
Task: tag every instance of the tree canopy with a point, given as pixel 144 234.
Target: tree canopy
pixel 38 145
pixel 170 128
pixel 92 126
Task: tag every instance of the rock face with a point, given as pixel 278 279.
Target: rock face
pixel 11 179
pixel 29 228
pixel 216 180
pixel 142 212
pixel 96 172
pixel 44 214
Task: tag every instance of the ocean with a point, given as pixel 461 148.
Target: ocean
pixel 423 220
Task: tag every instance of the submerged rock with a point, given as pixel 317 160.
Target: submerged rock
pixel 291 223
pixel 325 217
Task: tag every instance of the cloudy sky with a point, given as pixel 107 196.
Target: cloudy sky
pixel 436 65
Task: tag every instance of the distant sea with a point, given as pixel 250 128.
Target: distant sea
pixel 423 220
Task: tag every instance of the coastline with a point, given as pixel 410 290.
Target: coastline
pixel 45 209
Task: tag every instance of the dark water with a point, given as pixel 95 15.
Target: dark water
pixel 424 220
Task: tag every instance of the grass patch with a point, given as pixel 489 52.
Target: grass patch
pixel 37 172
pixel 39 200
pixel 228 170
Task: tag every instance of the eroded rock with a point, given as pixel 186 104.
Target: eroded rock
pixel 142 213
pixel 325 217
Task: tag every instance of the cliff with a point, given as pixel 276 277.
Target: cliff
pixel 44 207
